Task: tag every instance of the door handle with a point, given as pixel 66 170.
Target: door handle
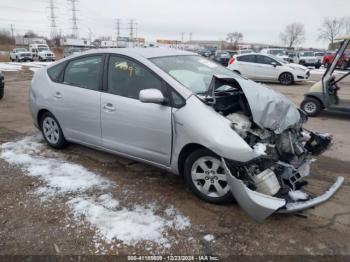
pixel 109 107
pixel 58 95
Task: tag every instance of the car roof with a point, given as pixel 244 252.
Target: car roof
pixel 343 37
pixel 150 52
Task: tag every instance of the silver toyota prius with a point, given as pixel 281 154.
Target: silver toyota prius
pixel 228 136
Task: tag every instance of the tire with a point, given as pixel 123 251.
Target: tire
pixel 17 60
pixel 52 131
pixel 205 182
pixel 311 106
pixel 317 66
pixel 286 78
pixel 2 91
pixel 40 59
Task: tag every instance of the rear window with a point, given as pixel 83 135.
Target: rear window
pixel 56 72
pixel 246 58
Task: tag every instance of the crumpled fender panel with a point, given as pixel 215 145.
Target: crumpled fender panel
pixel 258 206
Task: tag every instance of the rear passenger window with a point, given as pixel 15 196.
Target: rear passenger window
pixel 56 72
pixel 84 72
pixel 247 58
pixel 127 78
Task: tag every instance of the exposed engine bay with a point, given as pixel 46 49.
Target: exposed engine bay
pixel 284 154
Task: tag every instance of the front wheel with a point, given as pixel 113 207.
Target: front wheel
pixel 311 106
pixel 286 79
pixel 52 131
pixel 205 176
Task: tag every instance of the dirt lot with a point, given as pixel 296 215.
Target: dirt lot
pixel 30 224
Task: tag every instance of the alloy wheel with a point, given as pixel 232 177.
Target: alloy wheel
pixel 209 177
pixel 51 130
pixel 310 107
pixel 286 79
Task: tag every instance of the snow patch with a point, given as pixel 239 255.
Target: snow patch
pixel 9 67
pixel 298 195
pixel 103 212
pixel 209 237
pixel 260 148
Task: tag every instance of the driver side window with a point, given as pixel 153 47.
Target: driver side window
pixel 265 60
pixel 127 78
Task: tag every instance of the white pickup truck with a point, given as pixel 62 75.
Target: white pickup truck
pixel 20 54
pixel 42 52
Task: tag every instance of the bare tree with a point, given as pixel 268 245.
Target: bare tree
pixel 346 24
pixel 293 35
pixel 331 27
pixel 234 37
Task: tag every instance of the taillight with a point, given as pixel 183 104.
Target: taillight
pixel 231 61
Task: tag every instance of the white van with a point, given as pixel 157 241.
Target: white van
pixel 41 52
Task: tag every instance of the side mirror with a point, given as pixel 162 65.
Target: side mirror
pixel 151 96
pixel 274 64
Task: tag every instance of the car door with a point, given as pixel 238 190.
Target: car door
pixel 247 65
pixel 141 130
pixel 266 68
pixel 76 100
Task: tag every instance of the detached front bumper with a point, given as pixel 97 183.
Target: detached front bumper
pixel 259 206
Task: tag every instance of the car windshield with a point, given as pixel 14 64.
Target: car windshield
pixel 277 52
pixel 194 72
pixel 21 50
pixel 319 54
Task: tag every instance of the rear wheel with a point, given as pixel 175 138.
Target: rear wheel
pixel 206 177
pixel 52 131
pixel 311 106
pixel 286 79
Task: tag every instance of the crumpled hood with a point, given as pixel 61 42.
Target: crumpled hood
pixel 269 108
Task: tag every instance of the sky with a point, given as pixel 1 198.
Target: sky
pixel 260 21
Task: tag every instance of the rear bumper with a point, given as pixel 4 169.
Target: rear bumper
pixel 259 206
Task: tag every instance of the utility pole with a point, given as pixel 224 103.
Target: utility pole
pixel 118 27
pixel 191 35
pixel 131 28
pixel 182 37
pixel 53 19
pixel 12 30
pixel 75 29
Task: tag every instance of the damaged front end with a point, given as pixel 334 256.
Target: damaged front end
pixel 272 126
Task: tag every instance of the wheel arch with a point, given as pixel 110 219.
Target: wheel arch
pixel 184 153
pixel 40 114
pixel 315 96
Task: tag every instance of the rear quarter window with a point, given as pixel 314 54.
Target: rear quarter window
pixel 56 72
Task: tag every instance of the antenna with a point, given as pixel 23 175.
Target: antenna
pixel 75 29
pixel 53 25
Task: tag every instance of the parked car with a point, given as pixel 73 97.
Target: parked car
pixel 2 85
pixel 20 54
pixel 308 58
pixel 204 52
pixel 328 58
pixel 71 51
pixel 268 68
pixel 342 63
pixel 319 55
pixel 278 52
pixel 222 57
pixel 244 51
pixel 42 52
pixel 227 135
